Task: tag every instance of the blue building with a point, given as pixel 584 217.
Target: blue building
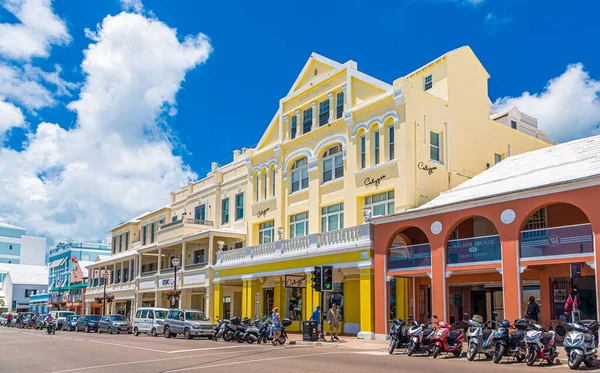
pixel 61 264
pixel 16 247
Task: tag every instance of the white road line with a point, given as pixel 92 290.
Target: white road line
pixel 378 353
pixel 140 362
pixel 255 361
pixel 209 348
pixel 128 346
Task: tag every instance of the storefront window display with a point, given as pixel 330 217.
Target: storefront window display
pixel 294 303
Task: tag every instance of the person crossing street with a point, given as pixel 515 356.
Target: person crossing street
pixel 333 320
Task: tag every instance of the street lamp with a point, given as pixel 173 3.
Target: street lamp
pixel 367 213
pixel 105 277
pixel 175 262
pixel 221 245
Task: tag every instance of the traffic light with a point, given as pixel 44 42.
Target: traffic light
pixel 316 273
pixel 327 281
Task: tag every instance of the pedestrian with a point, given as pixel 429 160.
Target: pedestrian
pixel 9 317
pixel 572 305
pixel 316 316
pixel 533 309
pixel 333 319
pixel 276 328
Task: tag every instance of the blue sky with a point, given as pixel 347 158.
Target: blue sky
pixel 224 86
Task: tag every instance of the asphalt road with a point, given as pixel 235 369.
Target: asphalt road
pixel 35 351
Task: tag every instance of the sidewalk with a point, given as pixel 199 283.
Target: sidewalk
pixel 345 342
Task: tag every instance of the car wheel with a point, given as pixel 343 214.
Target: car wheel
pixel 87 328
pixel 99 330
pixel 136 332
pixel 187 334
pixel 167 332
pixel 153 332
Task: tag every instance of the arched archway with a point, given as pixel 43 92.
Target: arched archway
pixel 473 240
pixel 409 249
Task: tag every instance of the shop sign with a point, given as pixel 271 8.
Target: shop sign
pixel 167 281
pixel 375 181
pixel 295 281
pixel 424 167
pixel 472 250
pixel 262 213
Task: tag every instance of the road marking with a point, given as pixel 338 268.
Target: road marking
pixel 128 346
pixel 378 353
pixel 254 361
pixel 209 348
pixel 141 362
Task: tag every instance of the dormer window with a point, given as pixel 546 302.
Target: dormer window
pixel 427 83
pixel 513 124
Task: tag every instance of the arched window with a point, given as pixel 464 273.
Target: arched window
pixel 333 163
pixel 299 175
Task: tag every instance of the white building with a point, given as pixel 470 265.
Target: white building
pixel 16 247
pixel 18 282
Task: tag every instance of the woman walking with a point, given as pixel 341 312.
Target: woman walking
pixel 276 328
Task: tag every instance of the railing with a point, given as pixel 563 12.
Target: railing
pixel 171 224
pixel 199 222
pixel 558 241
pixel 196 265
pixel 474 250
pixel 296 245
pixel 408 257
pixel 186 221
pixel 148 274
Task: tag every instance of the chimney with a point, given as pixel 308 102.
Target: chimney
pixel 214 166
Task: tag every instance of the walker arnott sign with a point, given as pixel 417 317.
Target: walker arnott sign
pixel 482 249
pixel 295 281
pixel 374 181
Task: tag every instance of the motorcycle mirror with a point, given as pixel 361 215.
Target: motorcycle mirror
pixel 465 316
pixel 495 314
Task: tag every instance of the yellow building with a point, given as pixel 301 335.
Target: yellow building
pixel 343 146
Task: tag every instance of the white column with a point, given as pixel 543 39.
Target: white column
pixel 114 273
pixel 159 260
pixel 122 272
pixel 315 116
pixel 156 300
pixel 211 244
pixel 183 256
pixel 130 271
pixel 208 303
pixel 139 264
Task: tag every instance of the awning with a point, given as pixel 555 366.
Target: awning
pixel 57 263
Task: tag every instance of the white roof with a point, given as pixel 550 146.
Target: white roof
pixel 26 274
pixel 137 219
pixel 560 164
pixel 83 265
pixel 4 225
pixel 114 258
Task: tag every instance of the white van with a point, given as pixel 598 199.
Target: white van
pixel 149 320
pixel 60 317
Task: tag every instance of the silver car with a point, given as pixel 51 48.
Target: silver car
pixel 190 323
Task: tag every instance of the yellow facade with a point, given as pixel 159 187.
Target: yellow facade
pixel 342 147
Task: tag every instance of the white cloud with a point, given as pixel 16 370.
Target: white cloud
pixel 116 162
pixel 458 2
pixel 10 117
pixel 493 22
pixel 132 5
pixel 38 30
pixel 567 108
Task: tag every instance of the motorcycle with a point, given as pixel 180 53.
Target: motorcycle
pixel 251 334
pixel 219 329
pixel 510 344
pixel 541 344
pixel 240 330
pixel 265 334
pixel 447 340
pixel 580 343
pixel 50 327
pixel 421 338
pixel 480 338
pixel 399 334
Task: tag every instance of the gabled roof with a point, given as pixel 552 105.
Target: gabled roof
pixel 10 226
pixel 560 164
pixel 313 57
pixel 24 274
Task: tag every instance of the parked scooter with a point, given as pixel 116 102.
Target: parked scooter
pixel 447 340
pixel 510 344
pixel 580 343
pixel 479 336
pixel 265 334
pixel 219 329
pixel 241 329
pixel 399 334
pixel 421 337
pixel 251 334
pixel 541 344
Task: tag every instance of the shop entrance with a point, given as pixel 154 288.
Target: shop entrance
pixel 268 296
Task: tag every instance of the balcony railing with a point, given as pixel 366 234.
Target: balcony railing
pixel 186 221
pixel 410 257
pixel 317 241
pixel 148 273
pixel 475 250
pixel 195 266
pixel 551 242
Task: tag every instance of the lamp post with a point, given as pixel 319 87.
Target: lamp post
pixel 221 245
pixel 104 277
pixel 175 262
pixel 367 214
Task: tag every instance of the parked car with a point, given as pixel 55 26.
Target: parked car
pixel 60 317
pixel 87 323
pixel 69 323
pixel 149 320
pixel 190 323
pixel 114 324
pixel 4 321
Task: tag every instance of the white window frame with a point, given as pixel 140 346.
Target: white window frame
pixel 293 127
pixel 324 113
pixel 262 229
pixel 298 219
pixel 239 216
pixel 391 142
pixel 325 217
pixel 333 159
pixel 362 151
pixel 304 119
pixel 438 147
pixel 388 203
pixel 376 147
pixel 427 80
pixel 302 171
pixel 516 127
pixel 498 157
pixel 225 210
pixel 339 96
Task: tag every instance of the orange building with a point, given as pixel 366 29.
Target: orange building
pixel 526 227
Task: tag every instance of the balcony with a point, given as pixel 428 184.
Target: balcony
pixel 474 250
pixel 566 241
pixel 182 228
pixel 314 243
pixel 410 257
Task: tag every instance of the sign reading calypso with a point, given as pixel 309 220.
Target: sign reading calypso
pixel 470 250
pixel 295 281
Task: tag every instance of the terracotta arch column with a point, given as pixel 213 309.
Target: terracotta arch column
pixel 511 272
pixel 439 289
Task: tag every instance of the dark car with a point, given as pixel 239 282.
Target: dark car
pixel 69 323
pixel 87 323
pixel 114 324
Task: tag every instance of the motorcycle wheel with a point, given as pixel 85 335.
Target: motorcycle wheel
pixel 575 361
pixel 251 338
pixel 520 358
pixel 589 362
pixel 411 348
pixel 498 353
pixel 281 340
pixel 228 336
pixel 240 338
pixel 436 351
pixel 457 352
pixel 531 357
pixel 472 351
pixel 392 346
